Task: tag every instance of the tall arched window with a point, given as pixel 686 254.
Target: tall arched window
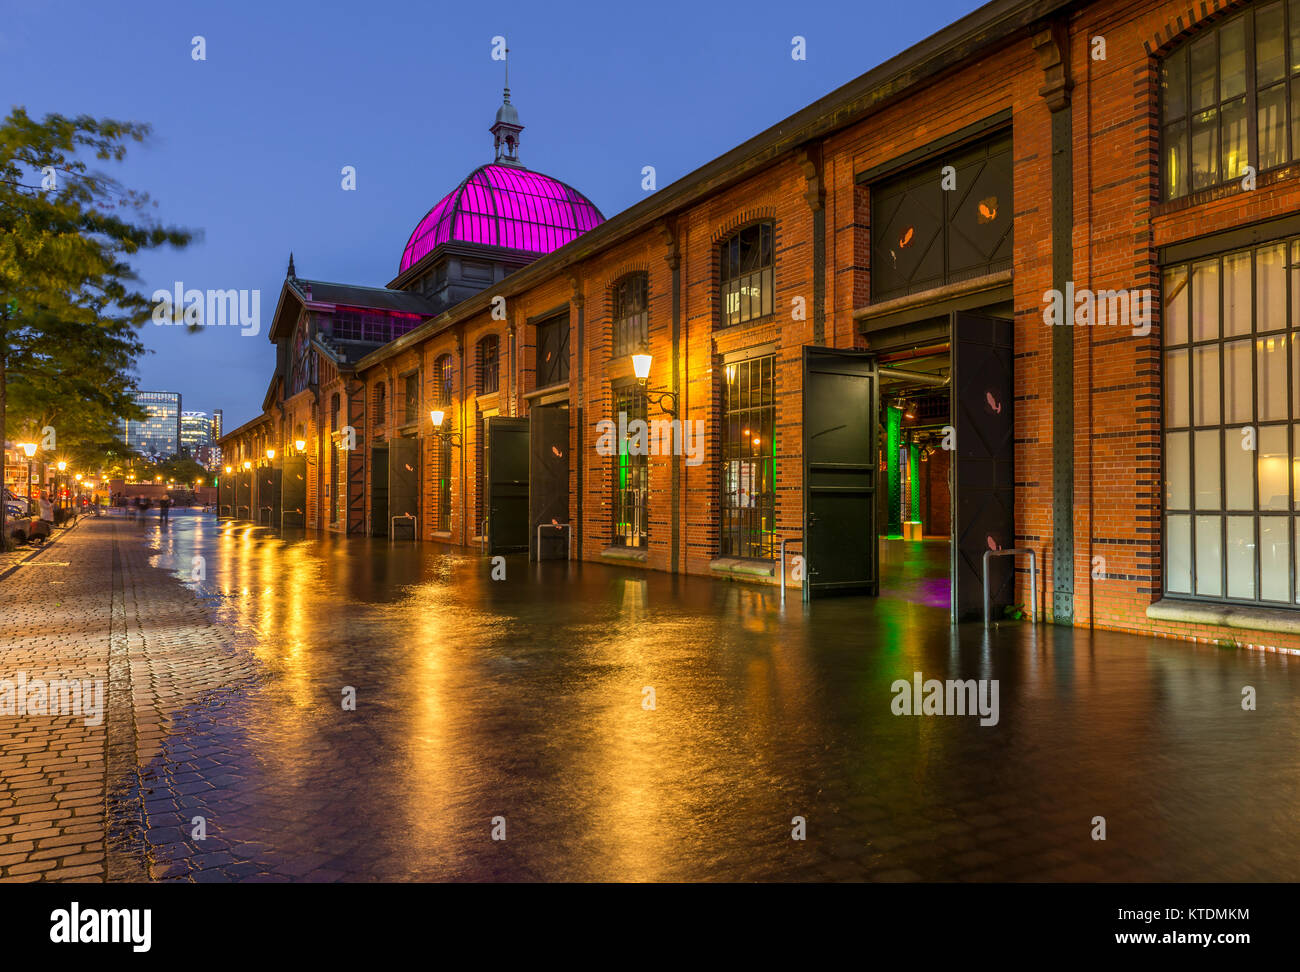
pixel 442 376
pixel 747 268
pixel 631 313
pixel 1227 98
pixel 381 404
pixel 489 360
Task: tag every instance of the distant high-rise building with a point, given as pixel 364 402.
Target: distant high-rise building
pixel 216 424
pixel 159 435
pixel 196 431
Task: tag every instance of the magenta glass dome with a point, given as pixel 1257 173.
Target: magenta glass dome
pixel 504 205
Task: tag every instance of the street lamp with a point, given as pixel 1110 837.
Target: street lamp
pixel 300 445
pixel 30 449
pixel 247 465
pixel 641 361
pixel 62 466
pixel 270 455
pixel 438 415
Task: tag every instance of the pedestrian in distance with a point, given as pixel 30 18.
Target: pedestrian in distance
pixel 42 527
pixel 164 506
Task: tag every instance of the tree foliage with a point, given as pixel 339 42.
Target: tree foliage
pixel 69 307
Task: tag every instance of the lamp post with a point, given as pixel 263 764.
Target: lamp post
pixel 62 466
pixel 30 449
pixel 438 416
pixel 666 400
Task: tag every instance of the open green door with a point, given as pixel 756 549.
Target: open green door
pixel 840 407
pixel 505 466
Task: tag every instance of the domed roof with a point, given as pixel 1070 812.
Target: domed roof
pixel 504 205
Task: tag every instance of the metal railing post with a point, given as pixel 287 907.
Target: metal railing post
pixel 803 587
pixel 1033 579
pixel 568 552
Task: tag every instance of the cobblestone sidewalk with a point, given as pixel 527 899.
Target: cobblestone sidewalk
pixel 91 608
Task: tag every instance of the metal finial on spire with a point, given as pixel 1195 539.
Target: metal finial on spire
pixel 291 272
pixel 505 130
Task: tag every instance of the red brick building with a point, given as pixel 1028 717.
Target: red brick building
pixel 849 316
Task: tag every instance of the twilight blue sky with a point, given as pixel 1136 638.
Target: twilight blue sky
pixel 248 145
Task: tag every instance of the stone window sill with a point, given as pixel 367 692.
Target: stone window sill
pixel 634 555
pixel 1249 617
pixel 742 569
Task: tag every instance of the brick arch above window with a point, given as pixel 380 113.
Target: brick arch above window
pixel 1188 23
pixel 741 220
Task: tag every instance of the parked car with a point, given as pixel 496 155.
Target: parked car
pixel 18 520
pixel 12 499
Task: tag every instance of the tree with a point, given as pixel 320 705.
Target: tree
pixel 69 309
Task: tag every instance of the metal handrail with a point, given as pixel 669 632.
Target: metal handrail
pixel 568 554
pixel 803 586
pixel 1033 579
pixel 392 526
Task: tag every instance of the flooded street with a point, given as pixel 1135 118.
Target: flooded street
pixel 520 707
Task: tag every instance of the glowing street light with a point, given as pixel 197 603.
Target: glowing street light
pixel 641 361
pixel 300 445
pixel 438 416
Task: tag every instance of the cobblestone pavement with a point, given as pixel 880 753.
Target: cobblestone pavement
pixel 520 704
pixel 90 608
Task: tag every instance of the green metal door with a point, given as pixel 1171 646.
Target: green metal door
pixel 983 468
pixel 548 494
pixel 293 493
pixel 379 491
pixel 403 486
pixel 505 467
pixel 840 409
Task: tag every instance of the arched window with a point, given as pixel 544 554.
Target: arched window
pixel 489 358
pixel 1226 97
pixel 631 313
pixel 334 412
pixel 381 404
pixel 442 375
pixel 746 265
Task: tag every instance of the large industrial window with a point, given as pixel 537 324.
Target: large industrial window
pixel 489 350
pixel 631 314
pixel 381 405
pixel 747 269
pixel 748 458
pixel 553 351
pixel 1230 97
pixel 631 470
pixel 1232 426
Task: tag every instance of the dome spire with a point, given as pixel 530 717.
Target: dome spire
pixel 505 130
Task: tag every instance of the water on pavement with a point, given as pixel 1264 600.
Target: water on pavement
pixel 520 707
